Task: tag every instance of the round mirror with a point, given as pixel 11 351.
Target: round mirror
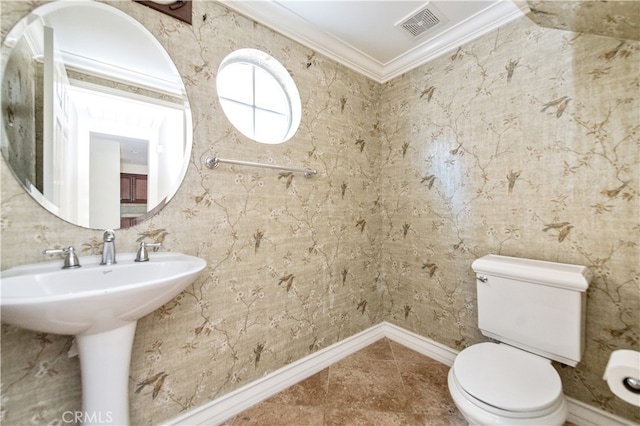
pixel 96 125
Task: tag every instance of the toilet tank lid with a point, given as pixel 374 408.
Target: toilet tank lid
pixel 564 275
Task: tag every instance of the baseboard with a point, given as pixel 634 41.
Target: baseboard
pixel 583 414
pixel 420 344
pixel 233 403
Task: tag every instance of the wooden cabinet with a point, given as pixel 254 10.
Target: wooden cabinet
pixel 133 199
pixel 133 188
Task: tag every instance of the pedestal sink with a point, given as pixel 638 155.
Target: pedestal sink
pixel 100 306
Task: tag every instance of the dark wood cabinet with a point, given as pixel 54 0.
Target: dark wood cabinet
pixel 133 188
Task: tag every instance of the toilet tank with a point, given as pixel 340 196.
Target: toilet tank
pixel 535 305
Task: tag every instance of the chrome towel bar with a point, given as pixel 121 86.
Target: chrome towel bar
pixel 214 162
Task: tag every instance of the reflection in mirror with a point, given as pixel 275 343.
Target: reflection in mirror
pixel 95 121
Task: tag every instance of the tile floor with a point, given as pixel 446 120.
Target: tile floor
pixel 383 384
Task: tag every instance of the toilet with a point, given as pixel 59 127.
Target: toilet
pixel 534 313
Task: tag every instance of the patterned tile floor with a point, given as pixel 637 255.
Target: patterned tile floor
pixel 383 384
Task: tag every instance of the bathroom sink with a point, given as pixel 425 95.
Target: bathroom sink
pixel 93 298
pixel 100 305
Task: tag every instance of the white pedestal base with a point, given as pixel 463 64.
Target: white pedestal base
pixel 104 364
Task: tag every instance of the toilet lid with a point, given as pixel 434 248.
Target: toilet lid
pixel 507 378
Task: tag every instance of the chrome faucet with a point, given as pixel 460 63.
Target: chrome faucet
pixel 108 248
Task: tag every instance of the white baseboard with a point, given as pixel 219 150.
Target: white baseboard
pixel 586 415
pixel 420 344
pixel 233 403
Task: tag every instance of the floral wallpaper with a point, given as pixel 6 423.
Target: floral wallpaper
pixel 19 88
pixel 523 142
pixel 608 18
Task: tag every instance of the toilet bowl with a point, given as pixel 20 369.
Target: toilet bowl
pixel 496 384
pixel 536 310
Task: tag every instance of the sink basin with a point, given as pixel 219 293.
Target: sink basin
pixel 100 305
pixel 93 298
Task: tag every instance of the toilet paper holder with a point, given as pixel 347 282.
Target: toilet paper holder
pixel 632 384
pixel 622 375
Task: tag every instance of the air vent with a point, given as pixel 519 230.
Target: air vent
pixel 420 22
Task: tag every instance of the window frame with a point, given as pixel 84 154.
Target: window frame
pixel 259 60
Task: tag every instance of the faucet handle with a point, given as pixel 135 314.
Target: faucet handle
pixel 143 254
pixel 109 235
pixel 71 259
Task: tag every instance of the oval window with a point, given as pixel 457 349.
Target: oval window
pixel 259 96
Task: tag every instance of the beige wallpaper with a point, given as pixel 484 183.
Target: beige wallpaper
pixel 19 88
pixel 608 18
pixel 524 142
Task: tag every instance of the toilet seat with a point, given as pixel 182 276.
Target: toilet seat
pixel 507 379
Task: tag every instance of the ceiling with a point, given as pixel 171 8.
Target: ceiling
pixel 368 36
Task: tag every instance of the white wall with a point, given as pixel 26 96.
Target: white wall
pixel 104 181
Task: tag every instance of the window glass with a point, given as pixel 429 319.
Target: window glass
pixel 270 126
pixel 239 113
pixel 269 94
pixel 258 96
pixel 232 83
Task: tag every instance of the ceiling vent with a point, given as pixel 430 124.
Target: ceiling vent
pixel 420 22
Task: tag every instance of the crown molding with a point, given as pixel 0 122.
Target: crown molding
pixel 280 19
pixel 123 75
pixel 495 16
